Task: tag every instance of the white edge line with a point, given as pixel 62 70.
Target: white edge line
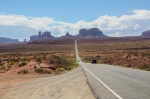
pixel 119 97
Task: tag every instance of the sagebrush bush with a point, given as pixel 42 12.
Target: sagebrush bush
pixel 59 70
pixel 56 60
pixel 22 63
pixel 12 63
pixel 1 62
pixel 38 59
pixel 63 62
pixel 23 72
pixel 42 71
pixel 70 67
pixel 8 66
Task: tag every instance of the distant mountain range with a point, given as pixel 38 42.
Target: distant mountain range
pixel 83 33
pixel 8 40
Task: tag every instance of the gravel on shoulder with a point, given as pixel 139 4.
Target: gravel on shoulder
pixel 71 85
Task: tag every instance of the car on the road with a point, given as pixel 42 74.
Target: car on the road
pixel 94 61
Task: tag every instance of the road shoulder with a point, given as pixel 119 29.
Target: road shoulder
pixel 71 85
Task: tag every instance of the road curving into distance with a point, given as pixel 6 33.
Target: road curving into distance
pixel 114 82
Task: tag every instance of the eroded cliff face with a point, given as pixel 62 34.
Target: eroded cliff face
pixel 83 33
pixel 41 36
pixel 93 32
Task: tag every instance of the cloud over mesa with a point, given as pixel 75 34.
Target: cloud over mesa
pixel 124 25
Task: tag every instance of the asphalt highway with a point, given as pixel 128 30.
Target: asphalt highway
pixel 114 82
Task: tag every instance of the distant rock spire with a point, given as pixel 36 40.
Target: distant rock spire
pixel 40 34
pixel 25 40
pixel 67 34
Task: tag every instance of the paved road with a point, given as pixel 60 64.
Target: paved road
pixel 113 82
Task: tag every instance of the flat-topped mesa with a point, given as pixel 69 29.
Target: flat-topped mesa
pixel 90 33
pixel 47 34
pixel 41 36
pixel 146 34
pixel 83 33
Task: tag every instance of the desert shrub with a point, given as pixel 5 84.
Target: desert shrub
pixel 18 58
pixel 135 54
pixel 145 67
pixel 56 60
pixel 1 62
pixel 44 56
pixel 62 62
pixel 47 72
pixel 3 68
pixel 71 62
pixel 24 59
pixel 98 56
pixel 42 71
pixel 70 67
pixel 52 61
pixel 126 65
pixel 34 57
pixel 14 60
pixel 35 67
pixel 145 54
pixel 59 70
pixel 38 59
pixel 67 64
pixel 39 70
pixel 75 65
pixel 22 63
pixel 87 59
pixel 12 63
pixel 23 72
pixel 6 67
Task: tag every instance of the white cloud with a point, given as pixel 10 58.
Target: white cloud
pixel 116 34
pixel 110 25
pixel 136 27
pixel 40 23
pixel 19 20
pixel 142 14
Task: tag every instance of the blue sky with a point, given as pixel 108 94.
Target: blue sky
pixel 23 18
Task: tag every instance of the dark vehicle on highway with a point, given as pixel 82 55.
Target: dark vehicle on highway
pixel 94 61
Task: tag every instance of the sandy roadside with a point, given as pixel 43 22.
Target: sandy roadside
pixel 71 85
